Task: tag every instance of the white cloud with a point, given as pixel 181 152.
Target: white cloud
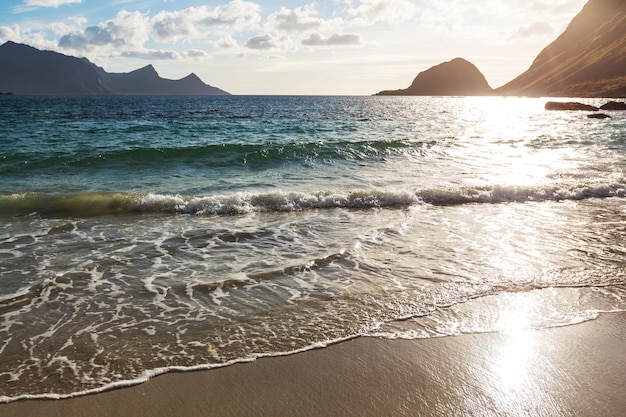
pixel 50 3
pixel 126 30
pixel 552 6
pixel 261 43
pixel 71 24
pixel 368 12
pixel 237 15
pixel 288 26
pixel 35 39
pixel 196 54
pixel 151 54
pixel 162 55
pixel 10 33
pixel 334 40
pixel 172 26
pixel 226 42
pixel 534 29
pixel 200 22
pixel 294 20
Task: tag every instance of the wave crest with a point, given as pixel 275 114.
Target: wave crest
pixel 91 204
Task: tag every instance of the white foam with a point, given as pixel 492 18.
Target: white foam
pixel 151 373
pixel 245 203
pixel 513 193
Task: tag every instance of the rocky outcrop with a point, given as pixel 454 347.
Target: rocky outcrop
pixel 587 60
pixel 614 105
pixel 569 105
pixel 453 78
pixel 574 105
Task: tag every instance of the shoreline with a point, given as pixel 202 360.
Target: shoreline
pixel 573 370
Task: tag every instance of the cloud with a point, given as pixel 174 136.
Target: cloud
pixel 50 3
pixel 368 12
pixel 12 33
pixel 294 20
pixel 125 30
pixel 226 42
pixel 71 24
pixel 196 22
pixel 334 40
pixel 196 54
pixel 260 42
pixel 535 29
pixel 151 55
pixel 172 26
pixel 237 15
pixel 552 6
pixel 162 55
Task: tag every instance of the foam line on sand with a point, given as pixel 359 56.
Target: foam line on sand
pixel 574 370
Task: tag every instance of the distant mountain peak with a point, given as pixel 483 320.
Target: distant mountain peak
pixel 148 68
pixel 457 77
pixel 148 71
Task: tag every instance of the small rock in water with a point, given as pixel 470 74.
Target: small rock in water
pixel 570 105
pixel 614 105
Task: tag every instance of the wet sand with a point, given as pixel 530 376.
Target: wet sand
pixel 575 370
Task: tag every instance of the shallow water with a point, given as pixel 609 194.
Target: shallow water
pixel 144 234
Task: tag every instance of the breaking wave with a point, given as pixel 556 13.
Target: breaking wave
pixel 90 204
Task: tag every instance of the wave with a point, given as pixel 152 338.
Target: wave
pixel 90 204
pixel 520 194
pixel 216 155
pixel 104 203
pixel 108 203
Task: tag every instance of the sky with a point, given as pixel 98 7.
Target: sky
pixel 326 47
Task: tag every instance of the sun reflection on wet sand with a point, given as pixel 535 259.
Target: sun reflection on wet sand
pixel 512 361
pixel 517 362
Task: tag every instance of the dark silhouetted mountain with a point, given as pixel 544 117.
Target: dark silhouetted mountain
pixel 453 78
pixel 587 60
pixel 147 81
pixel 27 70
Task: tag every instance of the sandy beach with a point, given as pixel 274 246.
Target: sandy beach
pixel 575 370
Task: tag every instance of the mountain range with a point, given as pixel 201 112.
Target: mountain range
pixel 587 60
pixel 27 70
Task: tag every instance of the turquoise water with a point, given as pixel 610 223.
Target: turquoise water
pixel 144 234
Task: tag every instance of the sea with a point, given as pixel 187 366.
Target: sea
pixel 142 235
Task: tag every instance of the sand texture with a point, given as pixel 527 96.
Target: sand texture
pixel 575 370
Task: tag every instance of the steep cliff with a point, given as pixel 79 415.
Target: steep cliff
pixel 588 59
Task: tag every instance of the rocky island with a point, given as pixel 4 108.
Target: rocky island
pixel 453 78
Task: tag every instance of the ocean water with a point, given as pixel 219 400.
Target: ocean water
pixel 140 235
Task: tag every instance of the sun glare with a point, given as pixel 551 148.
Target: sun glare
pixel 507 126
pixel 516 357
pixel 512 361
